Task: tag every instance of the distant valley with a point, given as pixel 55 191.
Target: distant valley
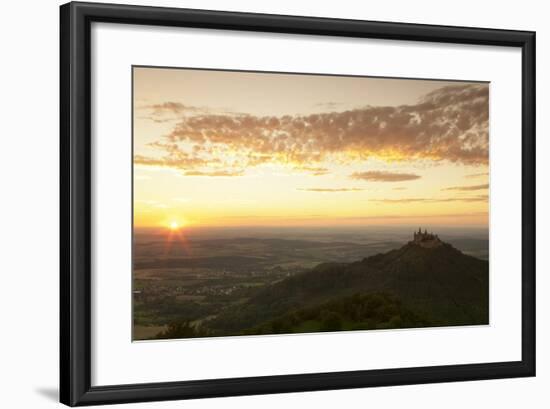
pixel 230 284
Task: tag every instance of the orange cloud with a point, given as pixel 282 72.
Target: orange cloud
pixel 468 188
pixel 316 171
pixel 476 175
pixel 328 190
pixel 382 176
pixel 449 124
pixel 478 198
pixel 214 173
pixel 172 107
pixel 179 161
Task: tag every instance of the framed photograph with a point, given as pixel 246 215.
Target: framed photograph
pixel 259 204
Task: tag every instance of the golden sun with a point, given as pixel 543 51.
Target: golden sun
pixel 175 224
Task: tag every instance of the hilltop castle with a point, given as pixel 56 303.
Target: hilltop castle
pixel 426 239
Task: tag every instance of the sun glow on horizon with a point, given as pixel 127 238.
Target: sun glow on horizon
pixel 174 224
pixel 379 155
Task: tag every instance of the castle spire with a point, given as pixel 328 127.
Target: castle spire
pixel 425 239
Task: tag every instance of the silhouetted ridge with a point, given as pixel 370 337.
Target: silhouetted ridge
pixel 433 280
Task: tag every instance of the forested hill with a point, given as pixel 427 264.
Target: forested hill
pixel 432 286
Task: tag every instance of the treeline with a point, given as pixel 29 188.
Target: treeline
pixel 356 312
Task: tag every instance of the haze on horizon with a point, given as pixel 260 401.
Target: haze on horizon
pixel 221 148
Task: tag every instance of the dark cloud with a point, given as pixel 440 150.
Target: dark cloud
pixel 468 188
pixel 328 190
pixel 449 124
pixel 383 176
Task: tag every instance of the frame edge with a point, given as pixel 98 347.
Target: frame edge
pixel 75 204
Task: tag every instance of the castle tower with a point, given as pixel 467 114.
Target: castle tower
pixel 425 239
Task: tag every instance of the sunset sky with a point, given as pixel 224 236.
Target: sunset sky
pixel 220 148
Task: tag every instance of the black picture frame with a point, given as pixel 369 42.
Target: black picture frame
pixel 76 199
